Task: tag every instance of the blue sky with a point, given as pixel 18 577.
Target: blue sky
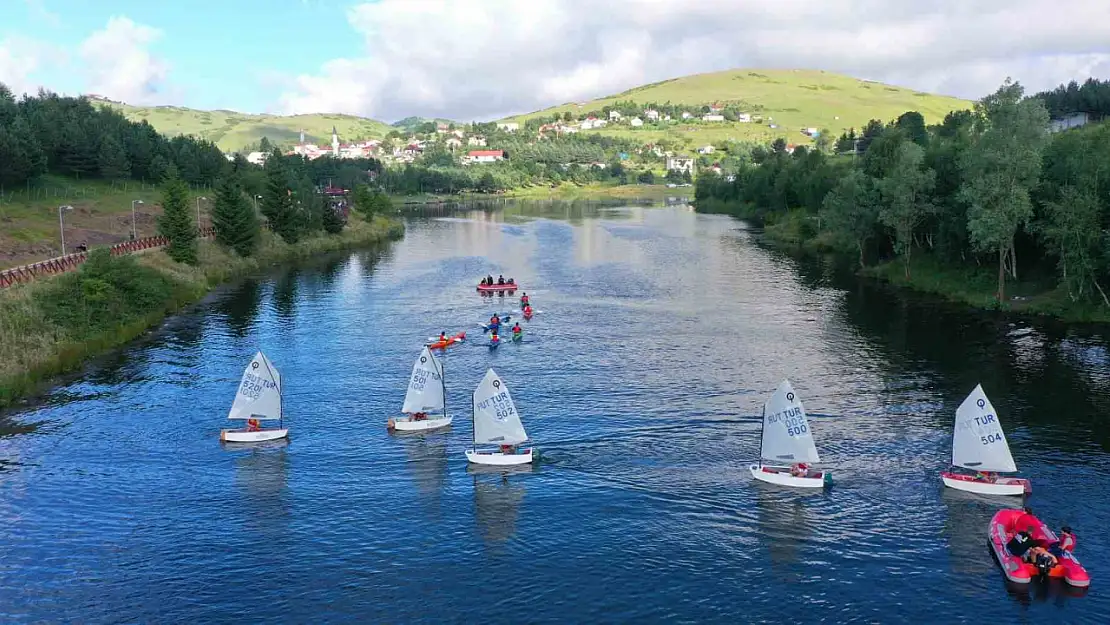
pixel 221 54
pixel 482 59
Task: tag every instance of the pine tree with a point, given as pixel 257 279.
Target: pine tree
pixel 113 160
pixel 333 220
pixel 176 222
pixel 277 200
pixel 234 219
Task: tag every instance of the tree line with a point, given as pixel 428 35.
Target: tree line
pixel 984 186
pixel 48 133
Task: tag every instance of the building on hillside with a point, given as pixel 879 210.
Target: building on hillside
pixel 686 115
pixel 636 122
pixel 651 115
pixel 441 128
pixel 614 116
pixel 681 163
pixel 413 149
pixel 508 126
pixel 716 107
pixel 458 134
pixel 452 143
pixel 592 122
pixel 706 149
pixel 790 147
pixel 1074 120
pixel 485 156
pixel 257 158
pixel 810 132
pixel 711 117
pixel 744 117
pixel 476 141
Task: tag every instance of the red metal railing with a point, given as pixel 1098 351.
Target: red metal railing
pixel 69 262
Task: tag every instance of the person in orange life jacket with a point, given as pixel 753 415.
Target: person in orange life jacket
pixel 799 470
pixel 1067 539
pixel 494 322
pixel 443 336
pixel 517 331
pixel 508 449
pixel 253 425
pixel 494 339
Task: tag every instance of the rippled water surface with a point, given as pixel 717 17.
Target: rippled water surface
pixel 661 333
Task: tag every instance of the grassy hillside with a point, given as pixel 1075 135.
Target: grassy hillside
pixel 791 99
pixel 233 131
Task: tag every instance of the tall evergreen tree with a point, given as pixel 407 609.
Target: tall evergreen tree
pixel 113 160
pixel 277 200
pixel 333 220
pixel 176 222
pixel 234 219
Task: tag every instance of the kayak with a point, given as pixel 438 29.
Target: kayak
pixel 444 343
pixel 1008 522
pixel 528 313
pixel 493 344
pixel 498 287
pixel 518 338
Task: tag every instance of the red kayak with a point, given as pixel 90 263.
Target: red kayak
pixel 498 287
pixel 1008 522
pixel 444 343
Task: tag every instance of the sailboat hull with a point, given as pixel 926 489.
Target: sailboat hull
pixel 1001 486
pixel 496 458
pixel 257 436
pixel 407 424
pixel 782 477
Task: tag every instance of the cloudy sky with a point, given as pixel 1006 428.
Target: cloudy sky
pixel 482 59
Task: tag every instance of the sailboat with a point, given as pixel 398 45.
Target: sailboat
pixel 786 437
pixel 427 392
pixel 979 444
pixel 496 422
pixel 258 399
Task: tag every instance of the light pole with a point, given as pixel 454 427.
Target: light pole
pixel 62 226
pixel 198 211
pixel 134 228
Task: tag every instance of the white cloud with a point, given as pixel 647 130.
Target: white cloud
pixel 21 59
pixel 120 65
pixel 482 58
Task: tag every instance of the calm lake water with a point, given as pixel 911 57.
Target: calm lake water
pixel 661 333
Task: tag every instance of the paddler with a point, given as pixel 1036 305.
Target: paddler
pixel 443 337
pixel 494 339
pixel 494 323
pixel 518 332
pixel 524 300
pixel 528 310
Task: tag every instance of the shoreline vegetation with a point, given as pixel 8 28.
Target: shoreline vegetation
pixel 54 326
pixel 949 209
pixel 565 191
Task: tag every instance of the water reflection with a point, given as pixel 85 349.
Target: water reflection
pixel 262 477
pixel 428 464
pixel 285 293
pixel 784 520
pixel 497 499
pixel 966 533
pixel 239 306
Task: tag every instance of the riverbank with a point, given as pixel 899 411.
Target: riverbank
pixel 53 326
pixel 564 191
pixel 797 232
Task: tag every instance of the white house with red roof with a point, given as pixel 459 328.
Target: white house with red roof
pixel 485 156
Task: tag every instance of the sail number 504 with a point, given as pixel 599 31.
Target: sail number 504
pixel 990 438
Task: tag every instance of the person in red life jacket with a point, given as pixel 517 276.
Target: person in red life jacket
pixel 518 332
pixel 494 323
pixel 253 425
pixel 494 339
pixel 528 311
pixel 524 301
pixel 800 469
pixel 1067 539
pixel 508 449
pixel 419 416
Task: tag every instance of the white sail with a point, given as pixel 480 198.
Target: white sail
pixel 495 417
pixel 978 441
pixel 425 392
pixel 259 395
pixel 786 433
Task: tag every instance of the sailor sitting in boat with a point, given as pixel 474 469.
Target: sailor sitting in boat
pixel 508 450
pixel 253 425
pixel 800 469
pixel 986 476
pixel 419 416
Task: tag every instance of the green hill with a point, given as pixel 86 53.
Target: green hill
pixel 791 99
pixel 234 131
pixel 411 124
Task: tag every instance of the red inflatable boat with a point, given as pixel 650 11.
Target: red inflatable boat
pixel 492 288
pixel 451 340
pixel 1008 522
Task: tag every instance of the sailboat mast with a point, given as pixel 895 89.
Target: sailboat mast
pixel 473 425
pixel 443 382
pixel 762 424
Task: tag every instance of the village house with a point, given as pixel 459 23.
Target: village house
pixel 686 115
pixel 790 148
pixel 441 128
pixel 716 108
pixel 508 126
pixel 592 122
pixel 257 158
pixel 636 122
pixel 712 118
pixel 614 116
pixel 458 134
pixel 452 143
pixel 651 115
pixel 744 117
pixel 413 149
pixel 705 149
pixel 1075 120
pixel 681 163
pixel 485 156
pixel 476 141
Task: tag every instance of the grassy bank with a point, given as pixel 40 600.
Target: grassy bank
pixel 53 326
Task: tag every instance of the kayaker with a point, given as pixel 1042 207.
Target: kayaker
pixel 524 300
pixel 494 339
pixel 253 425
pixel 518 332
pixel 494 322
pixel 528 311
pixel 443 337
